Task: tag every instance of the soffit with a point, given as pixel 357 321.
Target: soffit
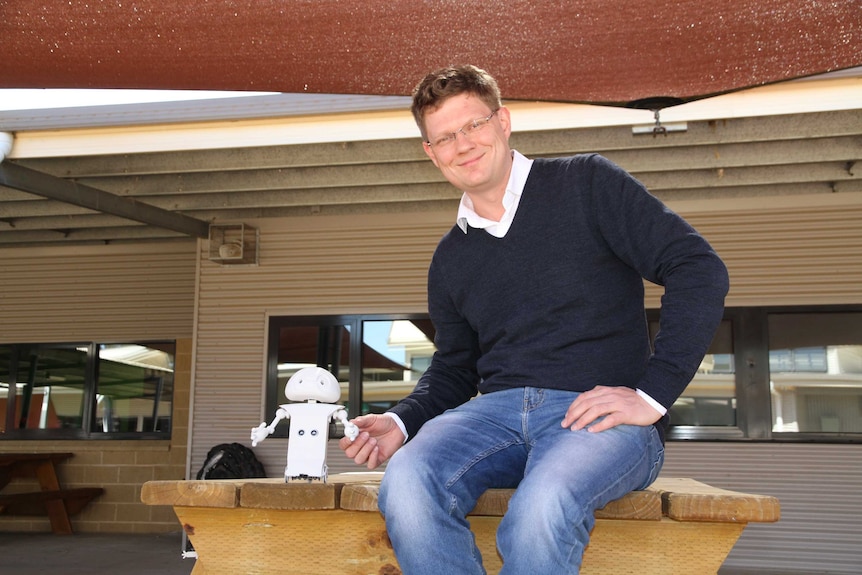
pixel 762 157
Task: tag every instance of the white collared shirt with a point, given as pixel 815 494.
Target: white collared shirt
pixel 467 216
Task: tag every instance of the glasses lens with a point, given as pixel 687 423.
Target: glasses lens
pixel 443 141
pixel 468 128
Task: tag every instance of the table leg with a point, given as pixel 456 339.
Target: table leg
pixel 57 513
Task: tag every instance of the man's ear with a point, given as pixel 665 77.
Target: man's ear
pixel 505 120
pixel 430 153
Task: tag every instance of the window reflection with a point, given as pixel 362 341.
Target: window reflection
pixel 79 389
pixel 395 354
pixel 134 388
pixel 815 367
pixel 327 346
pixel 45 384
pixel 710 398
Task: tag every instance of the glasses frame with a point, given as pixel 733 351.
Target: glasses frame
pixel 445 140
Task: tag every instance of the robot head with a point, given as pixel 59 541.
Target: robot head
pixel 312 383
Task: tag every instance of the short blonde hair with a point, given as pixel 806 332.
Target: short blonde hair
pixel 442 84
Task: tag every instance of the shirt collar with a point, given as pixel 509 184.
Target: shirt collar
pixel 467 216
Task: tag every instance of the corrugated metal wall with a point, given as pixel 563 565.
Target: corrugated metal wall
pixel 805 251
pixel 818 485
pixel 97 293
pixel 790 251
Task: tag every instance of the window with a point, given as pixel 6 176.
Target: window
pixel 377 359
pixel 710 398
pixel 86 390
pixel 790 374
pixel 395 353
pixel 815 372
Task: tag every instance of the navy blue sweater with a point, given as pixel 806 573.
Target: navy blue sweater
pixel 559 301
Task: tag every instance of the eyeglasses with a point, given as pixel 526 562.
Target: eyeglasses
pixel 469 129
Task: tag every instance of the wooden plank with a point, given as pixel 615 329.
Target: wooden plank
pixel 359 497
pixel 617 546
pixel 689 500
pixel 663 547
pixel 16 458
pixel 281 542
pixel 291 496
pixel 266 541
pixel 195 493
pixel 642 505
pixel 55 507
pixel 40 466
pixel 494 503
pixel 36 503
pixel 366 477
pixel 276 494
pixel 24 465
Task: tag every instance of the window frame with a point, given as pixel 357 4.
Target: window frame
pixel 88 429
pixel 750 335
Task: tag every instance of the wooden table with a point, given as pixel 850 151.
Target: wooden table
pixel 52 500
pixel 677 526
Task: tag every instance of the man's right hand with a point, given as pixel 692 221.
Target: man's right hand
pixel 379 438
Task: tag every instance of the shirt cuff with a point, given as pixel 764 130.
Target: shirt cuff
pixel 653 403
pixel 400 423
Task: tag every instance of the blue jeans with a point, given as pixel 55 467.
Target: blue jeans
pixel 507 439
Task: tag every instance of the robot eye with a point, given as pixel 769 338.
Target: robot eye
pixel 314 432
pixel 301 432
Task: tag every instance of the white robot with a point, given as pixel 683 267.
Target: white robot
pixel 309 422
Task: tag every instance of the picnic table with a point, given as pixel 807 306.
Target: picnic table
pixel 676 526
pixel 52 499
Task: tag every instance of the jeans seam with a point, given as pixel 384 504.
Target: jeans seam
pixel 479 457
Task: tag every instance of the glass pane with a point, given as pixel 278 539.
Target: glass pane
pixel 394 355
pixel 299 346
pixel 815 365
pixel 135 387
pixel 710 398
pixel 46 384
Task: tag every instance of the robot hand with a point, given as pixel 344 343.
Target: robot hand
pixel 259 433
pixel 350 430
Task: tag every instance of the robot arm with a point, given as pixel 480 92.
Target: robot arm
pixel 263 430
pixel 350 429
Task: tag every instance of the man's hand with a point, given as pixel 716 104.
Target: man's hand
pixel 379 438
pixel 617 405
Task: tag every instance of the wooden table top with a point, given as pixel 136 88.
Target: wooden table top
pixel 681 499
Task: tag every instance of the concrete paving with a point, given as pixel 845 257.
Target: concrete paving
pixel 92 554
pixel 132 554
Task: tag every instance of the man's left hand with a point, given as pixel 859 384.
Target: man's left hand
pixel 615 405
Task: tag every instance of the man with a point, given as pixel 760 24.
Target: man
pixel 536 295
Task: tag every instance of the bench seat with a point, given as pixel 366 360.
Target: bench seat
pixel 676 526
pixel 35 503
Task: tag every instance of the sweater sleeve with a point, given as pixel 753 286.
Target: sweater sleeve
pixel 666 251
pixel 451 379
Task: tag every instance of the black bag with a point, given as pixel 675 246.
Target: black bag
pixel 231 461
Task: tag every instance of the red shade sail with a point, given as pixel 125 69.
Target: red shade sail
pixel 600 51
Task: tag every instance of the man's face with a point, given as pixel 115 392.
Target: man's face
pixel 478 162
